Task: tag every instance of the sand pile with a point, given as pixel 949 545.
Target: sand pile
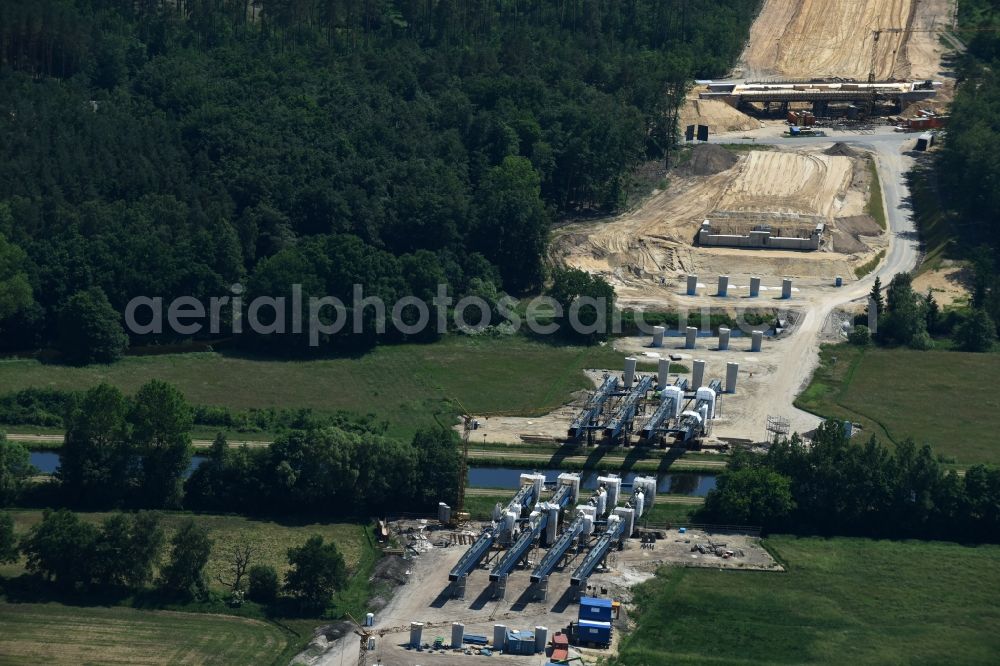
pixel 708 159
pixel 719 116
pixel 840 149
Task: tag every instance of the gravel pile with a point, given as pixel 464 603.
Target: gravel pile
pixel 708 159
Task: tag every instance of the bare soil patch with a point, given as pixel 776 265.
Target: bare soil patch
pixel 709 159
pixel 948 284
pixel 834 38
pixel 717 115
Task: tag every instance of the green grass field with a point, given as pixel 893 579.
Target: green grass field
pixel 842 601
pixel 941 398
pixel 271 539
pixel 875 205
pixel 57 634
pixel 669 512
pixel 406 385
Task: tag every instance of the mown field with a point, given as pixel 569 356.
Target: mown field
pixel 941 398
pixel 406 385
pixel 842 601
pixel 272 540
pixel 57 634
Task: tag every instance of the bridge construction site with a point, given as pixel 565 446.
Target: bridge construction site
pixel 547 575
pixel 527 522
pixel 848 99
pixel 650 409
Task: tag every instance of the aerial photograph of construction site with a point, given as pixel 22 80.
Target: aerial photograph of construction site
pixel 426 333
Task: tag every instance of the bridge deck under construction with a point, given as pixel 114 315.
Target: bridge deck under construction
pixel 901 92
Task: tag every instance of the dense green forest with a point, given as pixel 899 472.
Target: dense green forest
pixel 174 148
pixel 968 169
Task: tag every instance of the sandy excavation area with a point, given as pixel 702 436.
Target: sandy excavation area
pixel 716 114
pixel 644 251
pixel 834 38
pixel 785 182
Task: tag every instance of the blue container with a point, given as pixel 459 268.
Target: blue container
pixel 520 642
pixel 594 632
pixel 839 281
pixel 596 610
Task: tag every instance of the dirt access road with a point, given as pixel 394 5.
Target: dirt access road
pixel 801 349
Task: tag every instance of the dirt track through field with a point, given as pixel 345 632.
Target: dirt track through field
pixel 834 38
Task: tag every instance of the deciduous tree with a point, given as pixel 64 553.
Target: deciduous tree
pixel 318 570
pixel 184 574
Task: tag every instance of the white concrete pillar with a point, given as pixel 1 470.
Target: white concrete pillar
pixel 723 338
pixel 692 337
pixel 786 289
pixel 629 371
pixel 756 341
pixel 754 287
pixel 658 332
pixel 663 374
pixel 697 375
pixel 732 373
pixel 723 285
pixel 692 286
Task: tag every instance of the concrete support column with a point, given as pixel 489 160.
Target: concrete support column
pixel 542 589
pixel 723 339
pixel 663 374
pixel 691 337
pixel 732 373
pixel 458 587
pixel 500 588
pixel 786 289
pixel 692 285
pixel 697 375
pixel 658 332
pixel 754 287
pixel 723 285
pixel 756 341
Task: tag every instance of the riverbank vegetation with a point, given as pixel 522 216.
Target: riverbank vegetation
pixel 833 486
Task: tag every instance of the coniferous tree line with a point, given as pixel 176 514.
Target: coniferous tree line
pixel 967 172
pixel 175 148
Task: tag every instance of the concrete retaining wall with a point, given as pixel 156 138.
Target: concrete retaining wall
pixel 759 239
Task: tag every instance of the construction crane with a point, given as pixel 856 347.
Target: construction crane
pixel 366 637
pixel 468 425
pixel 463 469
